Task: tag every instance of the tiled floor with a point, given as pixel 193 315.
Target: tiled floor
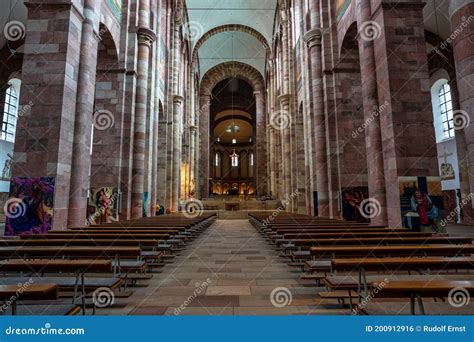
pixel 229 270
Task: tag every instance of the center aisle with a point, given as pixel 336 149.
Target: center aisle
pixel 229 270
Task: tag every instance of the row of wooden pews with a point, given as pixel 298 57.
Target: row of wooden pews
pixel 368 266
pixel 65 272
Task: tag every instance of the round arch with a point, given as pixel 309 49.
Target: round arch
pixel 227 28
pixel 231 70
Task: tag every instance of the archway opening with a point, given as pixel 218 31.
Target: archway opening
pixel 232 139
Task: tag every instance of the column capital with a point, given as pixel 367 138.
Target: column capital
pixel 193 128
pixel 146 36
pixel 313 37
pixel 258 93
pixel 178 99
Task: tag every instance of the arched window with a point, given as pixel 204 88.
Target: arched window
pixel 446 111
pixel 251 159
pixel 217 159
pixel 10 115
pixel 234 159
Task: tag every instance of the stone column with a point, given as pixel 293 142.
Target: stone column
pixel 373 138
pixel 260 143
pixel 204 105
pixel 313 40
pixel 44 139
pixel 81 158
pixel 176 183
pixel 284 101
pixel 462 21
pixel 192 160
pixel 404 95
pixel 146 37
pixel 286 149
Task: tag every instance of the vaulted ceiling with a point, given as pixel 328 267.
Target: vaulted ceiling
pixel 204 15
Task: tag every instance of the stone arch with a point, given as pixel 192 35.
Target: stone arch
pixel 231 70
pixel 226 28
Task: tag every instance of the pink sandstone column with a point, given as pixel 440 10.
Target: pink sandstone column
pixel 204 105
pixel 261 141
pixel 406 119
pixel 284 100
pixel 313 40
pixel 373 139
pixel 177 114
pixel 81 158
pixel 462 28
pixel 146 37
pixel 44 139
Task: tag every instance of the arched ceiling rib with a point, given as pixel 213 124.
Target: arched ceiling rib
pixel 233 30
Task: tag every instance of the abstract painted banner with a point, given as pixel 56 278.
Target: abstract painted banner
pixel 29 209
pixel 351 200
pixel 103 205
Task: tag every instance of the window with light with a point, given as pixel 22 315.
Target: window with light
pixel 446 111
pixel 10 115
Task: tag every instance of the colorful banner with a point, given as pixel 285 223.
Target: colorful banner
pixel 29 209
pixel 102 206
pixel 351 200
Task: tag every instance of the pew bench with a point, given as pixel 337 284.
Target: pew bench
pixel 416 290
pixel 11 293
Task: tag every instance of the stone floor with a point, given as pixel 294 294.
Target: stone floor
pixel 229 270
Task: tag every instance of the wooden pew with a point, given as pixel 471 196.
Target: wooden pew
pixel 388 240
pixel 398 250
pixel 78 267
pixel 416 290
pixel 18 292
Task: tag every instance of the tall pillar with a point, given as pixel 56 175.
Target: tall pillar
pixel 44 139
pixel 462 21
pixel 373 138
pixel 204 105
pixel 313 40
pixel 404 95
pixel 146 37
pixel 284 100
pixel 81 158
pixel 192 159
pixel 286 150
pixel 261 143
pixel 176 183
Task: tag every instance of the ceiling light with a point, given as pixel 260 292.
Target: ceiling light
pixel 233 128
pixel 234 141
